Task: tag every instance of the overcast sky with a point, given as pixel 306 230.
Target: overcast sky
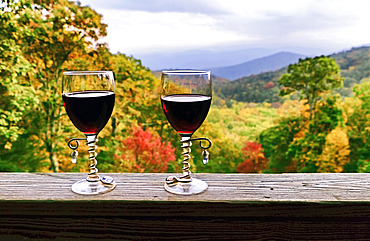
pixel 145 26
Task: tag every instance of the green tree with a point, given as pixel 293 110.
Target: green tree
pixel 14 90
pixel 312 77
pixel 358 112
pixel 277 140
pixel 17 96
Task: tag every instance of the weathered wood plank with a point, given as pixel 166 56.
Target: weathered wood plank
pixel 222 187
pixel 235 207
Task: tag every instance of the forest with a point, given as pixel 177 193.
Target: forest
pixel 264 87
pixel 312 116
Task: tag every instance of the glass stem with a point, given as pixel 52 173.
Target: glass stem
pixel 93 175
pixel 186 173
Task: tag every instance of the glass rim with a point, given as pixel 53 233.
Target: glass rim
pixel 87 72
pixel 186 72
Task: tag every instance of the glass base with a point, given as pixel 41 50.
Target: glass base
pixel 196 186
pixel 85 187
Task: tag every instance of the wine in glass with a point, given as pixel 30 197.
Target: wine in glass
pixel 88 98
pixel 186 98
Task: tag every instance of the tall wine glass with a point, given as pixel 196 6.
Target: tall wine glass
pixel 186 98
pixel 88 98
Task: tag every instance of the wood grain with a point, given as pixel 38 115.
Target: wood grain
pixel 41 206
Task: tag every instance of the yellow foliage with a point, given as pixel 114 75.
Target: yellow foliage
pixel 336 151
pixel 292 108
pixel 8 146
pixel 127 165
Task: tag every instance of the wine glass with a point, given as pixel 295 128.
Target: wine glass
pixel 186 98
pixel 88 98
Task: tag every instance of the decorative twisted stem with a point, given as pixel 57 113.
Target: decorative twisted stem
pixel 186 144
pixel 186 173
pixel 93 175
pixel 91 140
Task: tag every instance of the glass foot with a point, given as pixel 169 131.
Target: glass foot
pixel 85 187
pixel 187 188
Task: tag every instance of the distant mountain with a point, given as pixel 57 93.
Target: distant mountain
pixel 257 66
pixel 264 87
pixel 202 58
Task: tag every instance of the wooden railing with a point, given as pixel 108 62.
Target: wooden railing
pixel 41 206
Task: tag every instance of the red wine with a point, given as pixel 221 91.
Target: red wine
pixel 186 112
pixel 89 111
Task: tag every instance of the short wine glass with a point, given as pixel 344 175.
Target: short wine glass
pixel 88 98
pixel 186 99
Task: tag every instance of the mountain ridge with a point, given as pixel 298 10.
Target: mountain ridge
pixel 259 65
pixel 214 57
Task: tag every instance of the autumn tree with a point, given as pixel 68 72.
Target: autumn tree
pixel 311 77
pixel 52 31
pixel 315 149
pixel 137 102
pixel 143 151
pixel 255 161
pixel 336 153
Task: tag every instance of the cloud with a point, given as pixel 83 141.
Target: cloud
pixel 306 22
pixel 153 31
pixel 189 6
pixel 150 25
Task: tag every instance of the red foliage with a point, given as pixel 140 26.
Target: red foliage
pixel 255 159
pixel 251 149
pixel 268 85
pixel 146 151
